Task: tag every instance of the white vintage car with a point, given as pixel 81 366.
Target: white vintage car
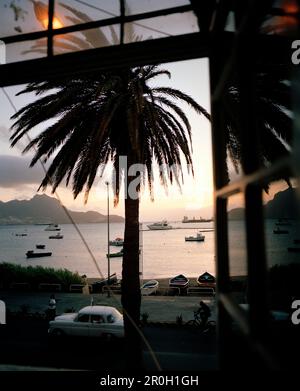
pixel 91 321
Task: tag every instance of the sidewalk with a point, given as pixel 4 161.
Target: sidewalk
pixel 159 308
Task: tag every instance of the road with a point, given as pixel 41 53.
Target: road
pixel 27 343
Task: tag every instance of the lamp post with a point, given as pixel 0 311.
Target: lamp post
pixel 108 239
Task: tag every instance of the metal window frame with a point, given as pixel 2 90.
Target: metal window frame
pixel 254 327
pixel 49 33
pixel 224 50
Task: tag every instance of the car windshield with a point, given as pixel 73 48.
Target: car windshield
pixel 110 318
pixel 116 314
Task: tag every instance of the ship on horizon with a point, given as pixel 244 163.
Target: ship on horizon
pixel 194 220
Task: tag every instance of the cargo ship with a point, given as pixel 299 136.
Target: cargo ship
pixel 193 220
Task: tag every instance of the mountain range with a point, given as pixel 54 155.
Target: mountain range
pixel 285 204
pixel 42 209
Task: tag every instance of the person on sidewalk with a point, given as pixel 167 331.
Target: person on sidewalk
pixel 204 312
pixel 52 307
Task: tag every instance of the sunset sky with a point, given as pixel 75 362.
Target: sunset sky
pixel 18 181
pixel 195 198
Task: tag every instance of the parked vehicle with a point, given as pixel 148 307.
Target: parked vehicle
pixel 91 321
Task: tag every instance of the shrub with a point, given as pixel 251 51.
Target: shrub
pixel 34 275
pixel 179 320
pixel 145 317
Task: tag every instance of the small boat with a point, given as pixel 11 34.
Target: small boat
pixel 163 225
pixel 57 236
pixel 115 255
pixel 117 242
pixel 40 246
pixel 293 249
pixel 52 227
pixel 32 254
pixel 179 281
pixel 206 279
pixel 21 234
pixel 149 288
pixel 280 231
pixel 198 238
pixel 98 285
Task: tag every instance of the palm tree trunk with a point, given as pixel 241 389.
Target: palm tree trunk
pixel 131 294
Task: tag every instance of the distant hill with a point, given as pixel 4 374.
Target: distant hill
pixel 42 209
pixel 285 204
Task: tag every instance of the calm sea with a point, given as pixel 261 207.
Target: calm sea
pixel 164 253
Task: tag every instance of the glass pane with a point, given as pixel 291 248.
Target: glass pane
pixel 237 247
pixel 87 39
pixel 83 318
pixel 27 50
pixel 72 12
pixel 23 16
pixel 162 26
pixel 272 113
pixel 140 6
pixel 282 233
pixel 285 24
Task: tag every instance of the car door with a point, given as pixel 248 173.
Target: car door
pixel 81 325
pixel 98 325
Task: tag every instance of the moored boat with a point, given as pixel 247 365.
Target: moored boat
pixel 57 236
pixel 293 249
pixel 98 285
pixel 179 281
pixel 52 227
pixel 193 220
pixel 198 238
pixel 32 254
pixel 149 287
pixel 206 279
pixel 163 225
pixel 115 255
pixel 117 242
pixel 280 231
pixel 40 246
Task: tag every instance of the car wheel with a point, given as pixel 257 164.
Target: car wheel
pixel 108 337
pixel 58 333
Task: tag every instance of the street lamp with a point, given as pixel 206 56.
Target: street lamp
pixel 41 13
pixel 108 239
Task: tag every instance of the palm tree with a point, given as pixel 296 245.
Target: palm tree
pixel 273 115
pixel 101 117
